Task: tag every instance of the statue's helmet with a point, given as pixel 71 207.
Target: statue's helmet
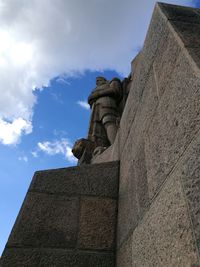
pixel 100 80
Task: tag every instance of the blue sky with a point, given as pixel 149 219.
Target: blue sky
pixel 48 64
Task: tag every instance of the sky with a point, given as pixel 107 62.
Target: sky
pixel 50 53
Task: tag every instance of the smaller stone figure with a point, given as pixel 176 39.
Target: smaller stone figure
pixel 83 150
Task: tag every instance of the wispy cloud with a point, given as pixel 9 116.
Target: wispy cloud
pixel 60 133
pixel 63 80
pixel 23 158
pixel 56 147
pixel 57 97
pixel 34 154
pixel 84 104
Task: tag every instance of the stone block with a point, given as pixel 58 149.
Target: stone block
pixel 175 123
pixel 188 32
pixel 128 214
pixel 139 173
pixel 32 257
pixel 106 156
pixel 97 223
pixel 189 171
pixel 165 61
pixel 146 109
pixel 68 218
pixel 124 254
pixel 128 211
pixel 194 53
pixel 46 221
pixel 133 101
pixel 97 180
pixel 158 30
pixel 133 192
pixel 116 148
pixel 129 114
pixel 180 13
pixel 164 236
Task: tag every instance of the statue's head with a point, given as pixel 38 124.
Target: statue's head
pixel 78 147
pixel 100 80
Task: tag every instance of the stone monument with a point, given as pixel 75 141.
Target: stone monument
pixel 107 101
pixel 134 199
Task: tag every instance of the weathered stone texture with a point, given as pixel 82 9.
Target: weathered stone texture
pixel 164 236
pixel 46 221
pixel 174 124
pixel 158 126
pixel 165 61
pixel 133 192
pixel 68 218
pixel 188 32
pixel 105 156
pixel 97 223
pixel 194 53
pixel 32 257
pixel 128 214
pixel 124 254
pixel 189 172
pixel 96 180
pixel 180 13
pixel 133 171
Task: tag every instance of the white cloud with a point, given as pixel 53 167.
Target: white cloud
pixel 43 39
pixel 23 158
pixel 83 104
pixel 56 147
pixel 60 133
pixel 63 80
pixel 34 154
pixel 57 97
pixel 10 131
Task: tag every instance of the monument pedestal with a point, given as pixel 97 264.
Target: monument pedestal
pixel 68 218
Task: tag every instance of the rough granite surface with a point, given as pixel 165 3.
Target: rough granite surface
pixel 68 218
pixel 158 127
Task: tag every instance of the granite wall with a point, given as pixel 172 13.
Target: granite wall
pixel 158 145
pixel 68 218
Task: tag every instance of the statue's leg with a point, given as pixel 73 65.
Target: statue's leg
pixel 111 130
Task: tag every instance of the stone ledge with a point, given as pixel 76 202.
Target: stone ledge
pixel 56 257
pixel 95 180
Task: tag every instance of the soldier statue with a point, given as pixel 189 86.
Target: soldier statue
pixel 104 101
